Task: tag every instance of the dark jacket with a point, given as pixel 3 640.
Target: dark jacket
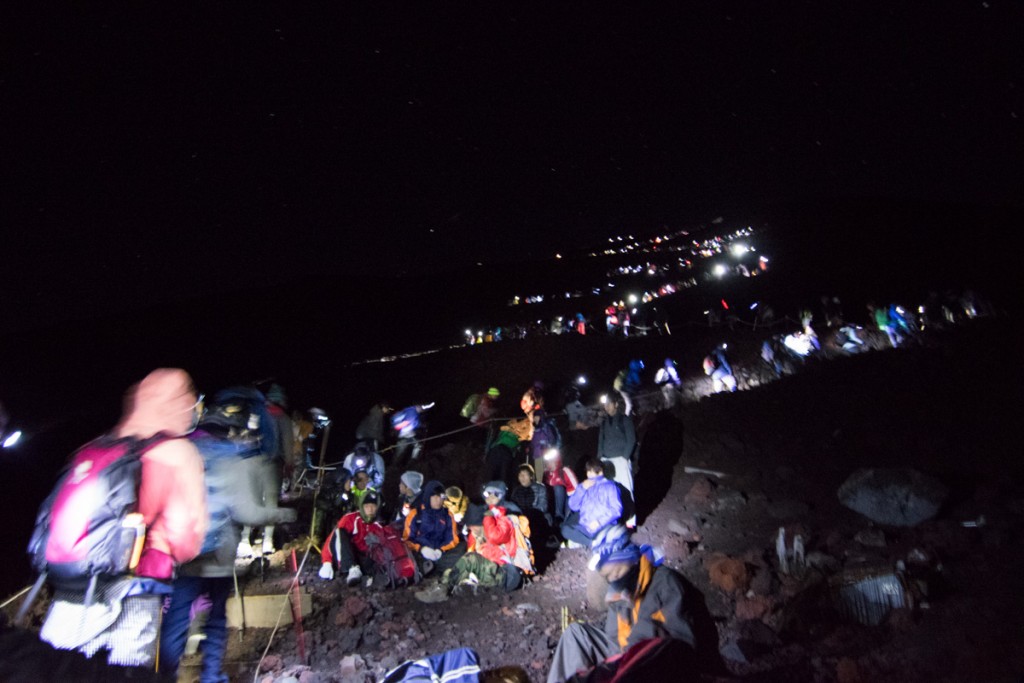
pixel 617 438
pixel 425 526
pixel 657 608
pixel 532 497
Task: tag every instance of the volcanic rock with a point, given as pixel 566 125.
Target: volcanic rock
pixel 897 497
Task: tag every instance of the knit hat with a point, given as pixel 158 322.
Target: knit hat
pixel 474 515
pixel 612 544
pixel 493 392
pixel 370 497
pixel 527 467
pixel 496 488
pixel 414 480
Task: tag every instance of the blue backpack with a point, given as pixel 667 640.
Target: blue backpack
pixel 218 450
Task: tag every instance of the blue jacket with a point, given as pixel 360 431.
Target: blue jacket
pixel 425 526
pixel 598 506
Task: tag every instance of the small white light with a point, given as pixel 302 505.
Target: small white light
pixel 719 270
pixel 551 454
pixel 582 379
pixel 604 398
pixel 14 438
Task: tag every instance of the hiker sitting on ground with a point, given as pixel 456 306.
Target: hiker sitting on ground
pixel 359 487
pixel 529 495
pixel 492 550
pixel 594 505
pixel 409 496
pixel 645 600
pixel 562 482
pixel 347 547
pixel 457 503
pixel 431 533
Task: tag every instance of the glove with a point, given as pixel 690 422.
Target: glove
pixel 495 511
pixel 326 571
pixel 427 553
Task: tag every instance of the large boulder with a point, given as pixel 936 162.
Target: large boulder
pixel 897 497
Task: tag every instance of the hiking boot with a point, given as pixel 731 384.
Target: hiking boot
pixel 355 575
pixel 436 593
pixel 244 550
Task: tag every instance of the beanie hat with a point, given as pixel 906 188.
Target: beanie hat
pixel 527 467
pixel 496 488
pixel 493 392
pixel 474 515
pixel 414 480
pixel 612 544
pixel 370 497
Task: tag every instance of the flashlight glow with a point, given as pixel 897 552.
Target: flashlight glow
pixel 582 379
pixel 14 438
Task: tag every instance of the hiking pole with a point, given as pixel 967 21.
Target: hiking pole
pixel 241 602
pixel 319 481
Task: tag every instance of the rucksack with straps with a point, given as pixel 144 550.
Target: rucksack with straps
pixel 89 528
pixel 393 564
pixel 524 549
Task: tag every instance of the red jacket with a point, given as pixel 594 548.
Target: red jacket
pixel 357 530
pixel 500 545
pixel 563 476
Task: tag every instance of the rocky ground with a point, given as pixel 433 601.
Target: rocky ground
pixel 778 454
pixel 720 475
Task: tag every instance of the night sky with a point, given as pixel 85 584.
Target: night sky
pixel 183 149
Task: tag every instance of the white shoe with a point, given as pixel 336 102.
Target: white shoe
pixel 355 574
pixel 268 546
pixel 244 550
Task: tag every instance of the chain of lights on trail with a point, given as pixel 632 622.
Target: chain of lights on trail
pixel 727 250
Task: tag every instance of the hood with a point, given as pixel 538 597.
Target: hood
pixel 432 488
pixel 162 402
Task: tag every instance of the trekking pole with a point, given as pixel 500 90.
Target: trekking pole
pixel 241 602
pixel 319 481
